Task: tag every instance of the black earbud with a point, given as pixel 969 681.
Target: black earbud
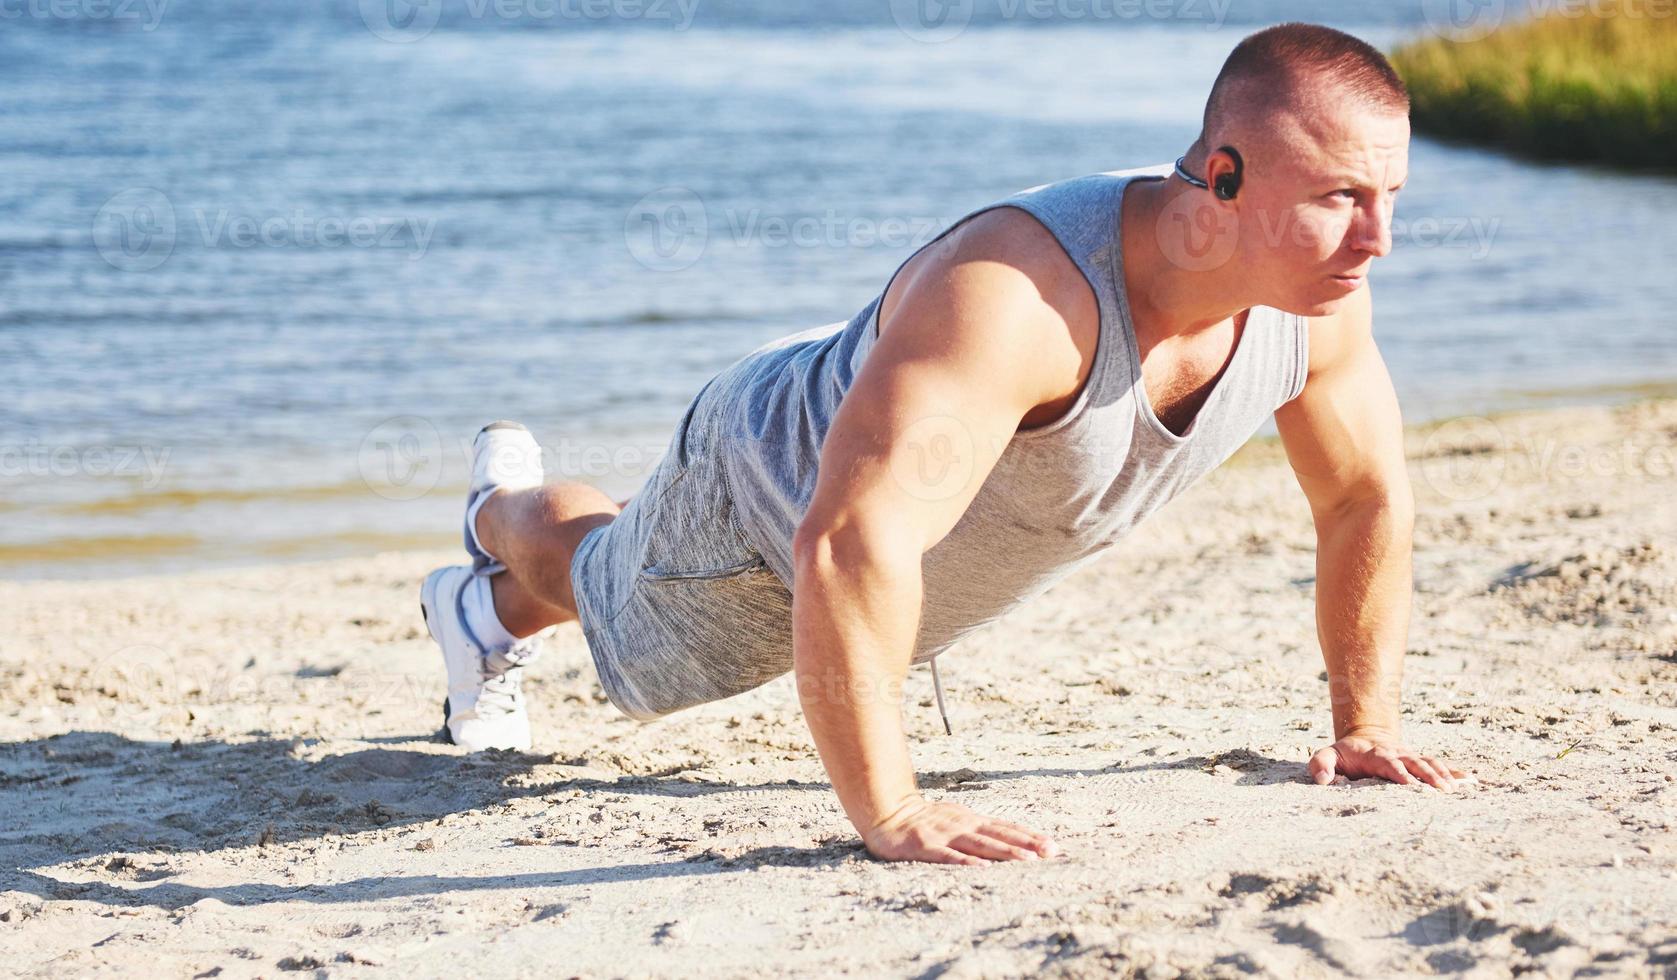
pixel 1228 185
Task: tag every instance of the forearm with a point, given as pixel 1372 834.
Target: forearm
pixel 1363 595
pixel 855 612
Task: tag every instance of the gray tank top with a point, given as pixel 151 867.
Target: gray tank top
pixel 1060 494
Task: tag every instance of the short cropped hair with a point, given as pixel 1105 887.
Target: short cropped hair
pixel 1280 61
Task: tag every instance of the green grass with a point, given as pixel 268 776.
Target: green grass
pixel 1597 87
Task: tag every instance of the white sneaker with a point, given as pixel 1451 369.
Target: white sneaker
pixel 504 456
pixel 485 706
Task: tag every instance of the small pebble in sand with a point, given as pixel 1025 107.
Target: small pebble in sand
pixel 670 932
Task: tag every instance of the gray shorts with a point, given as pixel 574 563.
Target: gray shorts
pixel 677 608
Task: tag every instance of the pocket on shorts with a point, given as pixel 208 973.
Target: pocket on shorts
pixel 695 532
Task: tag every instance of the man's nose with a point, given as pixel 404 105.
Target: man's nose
pixel 1371 230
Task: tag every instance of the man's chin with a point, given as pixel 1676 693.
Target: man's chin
pixel 1318 307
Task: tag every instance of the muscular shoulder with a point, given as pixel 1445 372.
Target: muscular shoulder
pixel 1011 250
pixel 1003 275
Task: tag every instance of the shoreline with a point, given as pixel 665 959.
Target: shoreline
pixel 162 551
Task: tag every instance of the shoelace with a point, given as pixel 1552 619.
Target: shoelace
pixel 501 693
pixel 503 676
pixel 515 656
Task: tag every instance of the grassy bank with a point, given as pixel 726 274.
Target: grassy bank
pixel 1599 87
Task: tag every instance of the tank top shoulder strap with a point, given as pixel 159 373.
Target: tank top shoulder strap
pixel 1082 215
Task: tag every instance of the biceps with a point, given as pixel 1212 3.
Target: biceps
pixel 1344 433
pixel 909 448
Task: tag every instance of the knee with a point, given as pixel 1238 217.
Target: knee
pixel 564 503
pixel 551 519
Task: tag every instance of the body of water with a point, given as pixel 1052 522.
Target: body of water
pixel 265 266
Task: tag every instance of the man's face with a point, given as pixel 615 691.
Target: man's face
pixel 1320 211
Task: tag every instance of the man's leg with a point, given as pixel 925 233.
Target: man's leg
pixel 535 533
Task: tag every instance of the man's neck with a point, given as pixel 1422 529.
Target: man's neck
pixel 1167 299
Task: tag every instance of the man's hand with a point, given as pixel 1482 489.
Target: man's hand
pixel 949 833
pixel 1358 755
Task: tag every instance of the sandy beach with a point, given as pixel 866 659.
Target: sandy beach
pixel 236 774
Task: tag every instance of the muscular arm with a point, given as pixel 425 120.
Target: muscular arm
pixel 974 343
pixel 1344 439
